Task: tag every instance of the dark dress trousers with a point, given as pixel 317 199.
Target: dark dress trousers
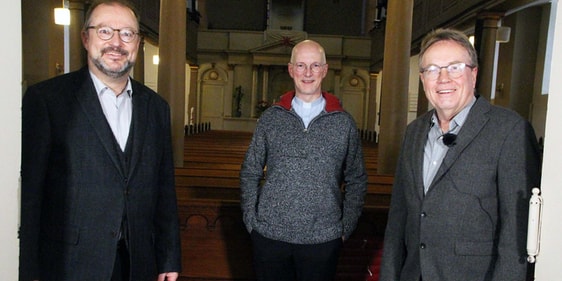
pixel 78 186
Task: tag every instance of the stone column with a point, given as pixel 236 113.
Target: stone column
pixel 230 88
pixel 254 98
pixel 265 84
pixel 171 69
pixel 192 97
pixel 372 102
pixel 77 53
pixel 486 47
pixel 395 77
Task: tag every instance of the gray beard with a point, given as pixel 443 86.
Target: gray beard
pixel 111 73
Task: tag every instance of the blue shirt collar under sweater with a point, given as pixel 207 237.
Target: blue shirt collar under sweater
pixel 308 110
pixel 332 102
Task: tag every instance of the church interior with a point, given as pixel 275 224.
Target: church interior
pixel 220 64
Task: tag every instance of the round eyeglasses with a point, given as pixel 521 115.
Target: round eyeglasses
pixel 301 67
pixel 126 35
pixel 454 70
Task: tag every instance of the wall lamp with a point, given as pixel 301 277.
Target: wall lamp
pixel 62 15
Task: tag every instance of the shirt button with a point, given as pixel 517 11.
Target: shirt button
pixel 422 246
pixel 423 214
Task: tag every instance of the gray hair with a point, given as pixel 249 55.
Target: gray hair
pixel 445 34
pixel 95 4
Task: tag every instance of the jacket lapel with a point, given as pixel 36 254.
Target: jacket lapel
pixel 476 120
pixel 88 99
pixel 139 119
pixel 420 138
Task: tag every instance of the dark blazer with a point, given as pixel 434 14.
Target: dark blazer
pixel 471 224
pixel 77 185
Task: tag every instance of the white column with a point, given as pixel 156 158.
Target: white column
pixel 254 90
pixel 396 73
pixel 171 68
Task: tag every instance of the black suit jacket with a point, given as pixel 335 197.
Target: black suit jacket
pixel 76 189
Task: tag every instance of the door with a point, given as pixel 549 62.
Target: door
pixel 212 100
pixel 353 101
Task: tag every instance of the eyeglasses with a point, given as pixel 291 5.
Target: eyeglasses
pixel 455 70
pixel 127 35
pixel 301 67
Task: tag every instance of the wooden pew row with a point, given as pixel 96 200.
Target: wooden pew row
pixel 210 166
pixel 219 159
pixel 224 183
pixel 223 136
pixel 213 144
pixel 217 151
pixel 216 245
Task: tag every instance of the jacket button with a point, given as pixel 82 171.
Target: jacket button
pixel 422 246
pixel 423 215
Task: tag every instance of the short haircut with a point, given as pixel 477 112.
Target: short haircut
pixel 96 3
pixel 446 34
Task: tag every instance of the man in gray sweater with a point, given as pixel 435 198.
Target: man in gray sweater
pixel 315 179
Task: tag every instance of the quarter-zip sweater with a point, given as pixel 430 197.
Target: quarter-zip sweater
pixel 303 185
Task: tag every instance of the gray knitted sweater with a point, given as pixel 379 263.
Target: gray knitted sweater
pixel 301 200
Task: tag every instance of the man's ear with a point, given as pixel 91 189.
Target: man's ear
pixel 290 69
pixel 85 38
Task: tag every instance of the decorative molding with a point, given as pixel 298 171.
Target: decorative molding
pixel 213 75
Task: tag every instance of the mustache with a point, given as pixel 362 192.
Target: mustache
pixel 118 50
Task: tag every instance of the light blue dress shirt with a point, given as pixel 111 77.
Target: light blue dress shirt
pixel 435 150
pixel 118 109
pixel 308 110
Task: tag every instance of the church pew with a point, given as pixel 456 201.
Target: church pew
pixel 215 244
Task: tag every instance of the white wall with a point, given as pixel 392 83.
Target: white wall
pixel 150 69
pixel 548 262
pixel 413 88
pixel 10 114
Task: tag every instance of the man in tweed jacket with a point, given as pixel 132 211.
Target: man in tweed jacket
pixel 460 198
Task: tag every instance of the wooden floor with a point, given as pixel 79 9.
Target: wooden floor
pixel 215 244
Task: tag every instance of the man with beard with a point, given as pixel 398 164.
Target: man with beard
pixel 98 195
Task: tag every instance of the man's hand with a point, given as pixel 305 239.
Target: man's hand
pixel 168 276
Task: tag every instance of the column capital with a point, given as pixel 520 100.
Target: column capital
pixel 77 4
pixel 490 15
pixel 490 18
